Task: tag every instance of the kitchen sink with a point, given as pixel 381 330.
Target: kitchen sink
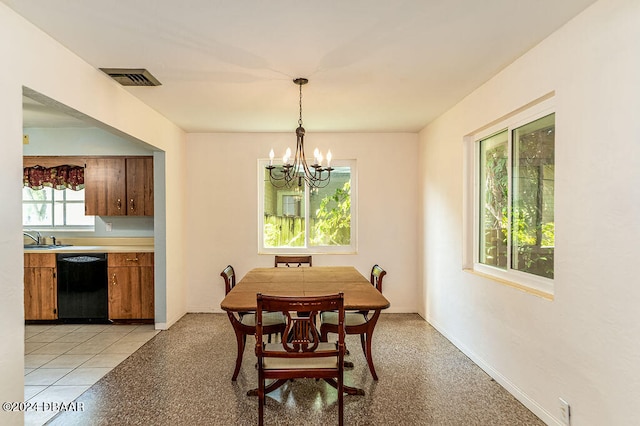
pixel 44 246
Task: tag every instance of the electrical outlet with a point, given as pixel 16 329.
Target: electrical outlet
pixel 108 226
pixel 25 139
pixel 565 412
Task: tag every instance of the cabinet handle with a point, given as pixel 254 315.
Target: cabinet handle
pixel 132 205
pixel 119 204
pixel 135 259
pixel 113 280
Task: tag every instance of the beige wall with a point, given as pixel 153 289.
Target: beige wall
pixel 584 345
pixel 33 60
pixel 222 205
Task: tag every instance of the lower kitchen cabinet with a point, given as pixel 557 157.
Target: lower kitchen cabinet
pixel 40 288
pixel 131 282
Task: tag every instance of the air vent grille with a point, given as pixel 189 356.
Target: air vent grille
pixel 132 76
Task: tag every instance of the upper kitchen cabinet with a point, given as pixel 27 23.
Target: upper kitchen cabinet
pixel 118 186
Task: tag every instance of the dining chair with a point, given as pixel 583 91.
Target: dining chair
pixel 357 322
pixel 292 260
pixel 244 323
pixel 303 354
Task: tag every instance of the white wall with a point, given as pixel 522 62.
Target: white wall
pixel 222 204
pixel 584 345
pixel 80 141
pixel 32 59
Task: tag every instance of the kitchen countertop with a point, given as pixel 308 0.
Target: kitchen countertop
pixel 99 245
pixel 94 249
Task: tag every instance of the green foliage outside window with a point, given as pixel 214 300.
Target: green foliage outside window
pixel 532 201
pixel 283 231
pixel 332 226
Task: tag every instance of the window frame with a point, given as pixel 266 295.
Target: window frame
pixel 53 227
pixel 350 249
pixel 471 259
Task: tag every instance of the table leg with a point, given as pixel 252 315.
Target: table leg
pixel 366 342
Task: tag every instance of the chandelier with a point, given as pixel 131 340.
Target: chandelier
pixel 294 170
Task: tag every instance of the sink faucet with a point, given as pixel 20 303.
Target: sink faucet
pixel 36 238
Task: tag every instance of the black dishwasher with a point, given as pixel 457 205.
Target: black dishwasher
pixel 82 287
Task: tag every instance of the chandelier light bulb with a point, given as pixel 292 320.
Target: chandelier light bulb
pixel 271 155
pixel 329 158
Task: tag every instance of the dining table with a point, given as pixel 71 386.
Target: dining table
pixel 359 294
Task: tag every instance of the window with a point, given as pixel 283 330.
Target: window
pixel 513 219
pixel 304 220
pixel 54 208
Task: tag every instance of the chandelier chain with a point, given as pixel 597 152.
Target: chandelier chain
pixel 300 103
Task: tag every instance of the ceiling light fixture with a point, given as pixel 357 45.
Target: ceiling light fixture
pixel 291 173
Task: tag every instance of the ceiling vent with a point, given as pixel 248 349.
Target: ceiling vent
pixel 132 76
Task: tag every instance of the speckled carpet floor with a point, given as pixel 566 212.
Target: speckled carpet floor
pixel 183 377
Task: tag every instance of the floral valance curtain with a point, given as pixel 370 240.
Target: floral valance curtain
pixel 58 177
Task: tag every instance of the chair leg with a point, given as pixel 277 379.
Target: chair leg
pixel 261 400
pixel 240 339
pixel 340 400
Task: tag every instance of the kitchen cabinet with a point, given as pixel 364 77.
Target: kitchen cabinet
pixel 40 288
pixel 131 294
pixel 118 186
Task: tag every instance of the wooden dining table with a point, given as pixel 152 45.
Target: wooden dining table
pixel 359 294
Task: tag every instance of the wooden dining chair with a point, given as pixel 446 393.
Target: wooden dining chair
pixel 303 354
pixel 359 322
pixel 244 323
pixel 292 261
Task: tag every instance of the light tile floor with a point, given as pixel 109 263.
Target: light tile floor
pixel 63 361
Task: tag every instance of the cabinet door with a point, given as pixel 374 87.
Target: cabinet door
pixel 40 294
pixel 131 286
pixel 124 293
pixel 140 186
pixel 105 187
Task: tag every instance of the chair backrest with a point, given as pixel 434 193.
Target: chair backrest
pixel 292 261
pixel 229 276
pixel 377 274
pixel 301 337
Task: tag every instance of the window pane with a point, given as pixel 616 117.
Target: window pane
pixel 49 207
pixel 58 213
pixel 330 211
pixel 36 214
pixel 29 194
pixel 284 223
pixel 533 202
pixel 72 195
pixel 494 182
pixel 75 216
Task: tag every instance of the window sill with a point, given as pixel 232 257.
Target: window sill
pixel 512 284
pixel 60 229
pixel 297 251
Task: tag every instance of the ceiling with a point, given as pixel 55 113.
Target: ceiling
pixel 372 65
